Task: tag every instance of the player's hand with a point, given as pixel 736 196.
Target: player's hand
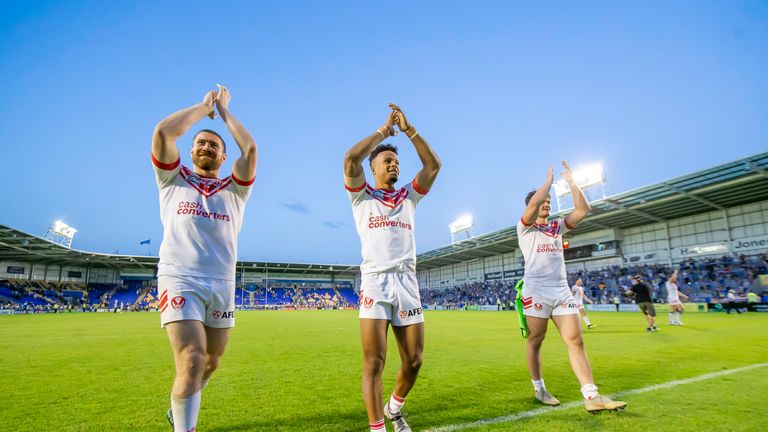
pixel 209 100
pixel 567 175
pixel 550 175
pixel 222 102
pixel 400 120
pixel 389 124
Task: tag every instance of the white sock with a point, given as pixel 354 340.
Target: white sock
pixel 586 320
pixel 677 317
pixel 185 412
pixel 589 391
pixel 395 403
pixel 378 426
pixel 538 385
pixel 671 317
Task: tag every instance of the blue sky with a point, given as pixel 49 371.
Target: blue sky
pixel 501 90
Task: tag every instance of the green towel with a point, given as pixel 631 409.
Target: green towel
pixel 519 307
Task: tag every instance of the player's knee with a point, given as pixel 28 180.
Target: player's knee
pixel 374 363
pixel 413 363
pixel 536 339
pixel 575 341
pixel 212 362
pixel 191 361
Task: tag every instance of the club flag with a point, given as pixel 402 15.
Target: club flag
pixel 147 241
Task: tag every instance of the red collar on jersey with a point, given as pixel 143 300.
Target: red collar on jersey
pixel 207 186
pixel 390 199
pixel 551 229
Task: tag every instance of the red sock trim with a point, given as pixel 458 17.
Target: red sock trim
pixel 378 424
pixel 398 398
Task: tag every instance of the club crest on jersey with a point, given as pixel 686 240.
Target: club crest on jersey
pixel 204 185
pixel 367 303
pixel 178 302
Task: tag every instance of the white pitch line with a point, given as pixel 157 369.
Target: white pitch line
pixel 574 404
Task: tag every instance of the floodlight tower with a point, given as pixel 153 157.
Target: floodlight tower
pixel 461 228
pixel 61 234
pixel 585 177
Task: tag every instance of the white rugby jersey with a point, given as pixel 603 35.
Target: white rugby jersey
pixel 201 219
pixel 577 294
pixel 385 224
pixel 672 292
pixel 542 247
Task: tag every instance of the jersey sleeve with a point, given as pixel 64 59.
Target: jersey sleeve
pixel 165 173
pixel 415 192
pixel 242 187
pixel 564 228
pixel 356 195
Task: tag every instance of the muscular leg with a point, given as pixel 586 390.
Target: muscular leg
pixel 217 339
pixel 188 341
pixel 373 334
pixel 410 341
pixel 538 330
pixel 570 331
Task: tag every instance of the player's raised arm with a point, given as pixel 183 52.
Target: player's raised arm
pixel 580 203
pixel 430 162
pixel 354 177
pixel 166 133
pixel 244 168
pixel 673 278
pixel 542 193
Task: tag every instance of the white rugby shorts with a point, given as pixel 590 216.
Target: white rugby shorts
pixel 545 302
pixel 211 301
pixel 391 296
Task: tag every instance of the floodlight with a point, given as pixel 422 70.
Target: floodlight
pixel 462 225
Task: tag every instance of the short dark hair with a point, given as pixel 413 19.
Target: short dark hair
pixel 529 196
pixel 381 148
pixel 212 132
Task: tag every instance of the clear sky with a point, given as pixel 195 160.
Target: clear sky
pixel 501 90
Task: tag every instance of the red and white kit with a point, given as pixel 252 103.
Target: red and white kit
pixel 385 223
pixel 545 291
pixel 201 219
pixel 577 297
pixel 673 297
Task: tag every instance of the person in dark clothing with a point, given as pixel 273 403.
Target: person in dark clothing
pixel 642 293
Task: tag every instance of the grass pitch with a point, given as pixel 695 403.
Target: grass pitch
pixel 299 371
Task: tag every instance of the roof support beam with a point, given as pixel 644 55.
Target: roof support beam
pixel 694 197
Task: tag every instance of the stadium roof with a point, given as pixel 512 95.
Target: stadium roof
pixel 728 185
pixel 16 245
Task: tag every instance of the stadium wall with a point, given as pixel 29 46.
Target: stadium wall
pixel 54 272
pixel 698 236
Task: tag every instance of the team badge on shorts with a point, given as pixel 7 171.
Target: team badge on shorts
pixel 537 306
pixel 367 303
pixel 178 302
pixel 216 314
pixel 403 314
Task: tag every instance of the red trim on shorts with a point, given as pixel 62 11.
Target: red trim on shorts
pixel 243 182
pixel 358 189
pixel 418 188
pixel 165 166
pixel 567 225
pixel 525 224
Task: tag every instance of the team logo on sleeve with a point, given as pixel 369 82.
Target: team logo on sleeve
pixel 367 303
pixel 178 302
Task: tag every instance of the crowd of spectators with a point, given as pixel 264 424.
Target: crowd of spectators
pixel 703 280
